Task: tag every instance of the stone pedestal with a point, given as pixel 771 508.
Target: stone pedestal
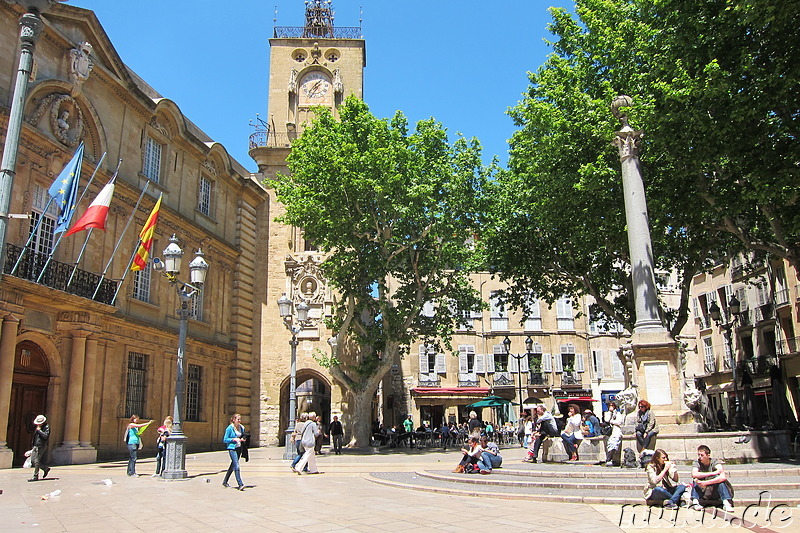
pixel 659 381
pixel 730 446
pixel 73 454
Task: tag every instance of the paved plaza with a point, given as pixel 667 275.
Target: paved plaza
pixel 342 499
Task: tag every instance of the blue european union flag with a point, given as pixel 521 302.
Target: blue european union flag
pixel 64 190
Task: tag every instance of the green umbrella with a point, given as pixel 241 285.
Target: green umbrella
pixel 491 401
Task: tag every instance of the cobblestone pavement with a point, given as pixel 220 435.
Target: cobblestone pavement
pixel 277 500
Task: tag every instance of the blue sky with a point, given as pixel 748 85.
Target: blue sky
pixel 463 63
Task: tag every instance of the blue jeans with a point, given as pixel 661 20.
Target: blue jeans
pixel 235 454
pixel 720 490
pixel 570 444
pixel 298 456
pixel 132 449
pixel 489 461
pixel 661 493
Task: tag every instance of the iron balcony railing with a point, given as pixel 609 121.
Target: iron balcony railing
pixel 790 346
pixel 57 275
pixel 272 139
pixel 429 380
pixel 538 378
pixel 322 32
pixel 570 379
pixel 759 365
pixel 781 297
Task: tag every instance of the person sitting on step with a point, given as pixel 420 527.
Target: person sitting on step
pixel 471 455
pixel 662 481
pixel 572 434
pixel 710 481
pixel 490 456
pixel 545 427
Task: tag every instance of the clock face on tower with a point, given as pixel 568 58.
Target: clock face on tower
pixel 315 88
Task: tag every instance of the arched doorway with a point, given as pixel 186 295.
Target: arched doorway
pixel 28 397
pixel 313 394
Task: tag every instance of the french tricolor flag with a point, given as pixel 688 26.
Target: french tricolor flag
pixel 95 216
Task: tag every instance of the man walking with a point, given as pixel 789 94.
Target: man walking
pixel 710 481
pixel 337 434
pixel 39 446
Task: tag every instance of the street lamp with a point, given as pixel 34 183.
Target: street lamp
pixel 295 325
pixel 198 268
pixel 30 26
pixel 519 357
pixel 734 308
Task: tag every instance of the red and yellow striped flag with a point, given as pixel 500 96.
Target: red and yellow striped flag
pixel 146 238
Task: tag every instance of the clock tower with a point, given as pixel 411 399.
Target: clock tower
pixel 317 64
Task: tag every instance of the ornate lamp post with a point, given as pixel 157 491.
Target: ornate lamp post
pixel 734 308
pixel 519 358
pixel 30 26
pixel 171 265
pixel 295 324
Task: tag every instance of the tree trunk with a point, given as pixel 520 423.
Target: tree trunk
pixel 357 415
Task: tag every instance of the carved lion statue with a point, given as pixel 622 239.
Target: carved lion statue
pixel 697 401
pixel 627 399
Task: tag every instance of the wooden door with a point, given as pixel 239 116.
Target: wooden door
pixel 28 397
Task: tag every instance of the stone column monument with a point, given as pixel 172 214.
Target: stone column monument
pixel 655 353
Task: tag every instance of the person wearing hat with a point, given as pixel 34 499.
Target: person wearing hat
pixel 38 446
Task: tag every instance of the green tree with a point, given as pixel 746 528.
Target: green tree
pixel 558 222
pixel 725 78
pixel 394 211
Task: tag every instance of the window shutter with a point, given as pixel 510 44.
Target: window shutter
pixel 428 309
pixel 512 363
pixel 579 362
pixel 480 363
pixel 524 366
pixel 462 359
pixel 557 361
pixel 617 368
pixel 441 363
pixel 598 363
pixel 547 362
pixel 423 359
pixel 490 363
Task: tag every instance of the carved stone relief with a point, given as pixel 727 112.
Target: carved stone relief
pixel 80 66
pixel 66 118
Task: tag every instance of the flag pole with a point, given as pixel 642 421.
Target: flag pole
pixel 146 235
pixel 39 223
pixel 88 234
pixel 114 252
pixel 61 235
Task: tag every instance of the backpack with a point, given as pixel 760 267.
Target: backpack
pixel 629 458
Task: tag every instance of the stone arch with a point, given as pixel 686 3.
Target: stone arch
pixel 168 115
pixel 322 405
pixel 48 100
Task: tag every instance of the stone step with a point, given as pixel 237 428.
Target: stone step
pixel 501 477
pixel 631 495
pixel 592 470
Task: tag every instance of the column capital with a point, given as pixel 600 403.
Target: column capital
pixel 627 141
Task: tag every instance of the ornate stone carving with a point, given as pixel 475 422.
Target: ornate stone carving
pixel 293 81
pixel 160 128
pixel 306 278
pixel 695 399
pixel 66 118
pixel 338 86
pixel 80 66
pixel 210 166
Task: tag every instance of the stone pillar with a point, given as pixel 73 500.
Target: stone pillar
pixel 8 345
pixel 77 363
pixel 655 359
pixel 70 451
pixel 87 405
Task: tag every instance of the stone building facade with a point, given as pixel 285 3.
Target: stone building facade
pixel 87 359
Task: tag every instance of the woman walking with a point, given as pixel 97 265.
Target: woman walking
pixel 234 436
pixel 133 439
pixel 308 439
